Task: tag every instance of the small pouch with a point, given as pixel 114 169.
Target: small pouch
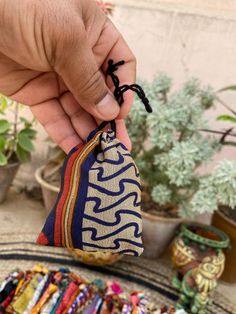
pixel 98 206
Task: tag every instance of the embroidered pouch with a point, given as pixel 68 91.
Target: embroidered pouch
pixel 98 206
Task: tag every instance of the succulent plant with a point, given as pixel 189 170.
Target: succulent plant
pixel 168 145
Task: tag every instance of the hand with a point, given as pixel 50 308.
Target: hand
pixel 53 56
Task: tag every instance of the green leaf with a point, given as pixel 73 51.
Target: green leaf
pixel 29 132
pixel 226 117
pixel 3 104
pixel 231 88
pixel 22 119
pixel 4 126
pixel 3 160
pixel 2 143
pixel 27 123
pixel 25 142
pixel 22 154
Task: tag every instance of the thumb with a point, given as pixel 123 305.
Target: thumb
pixel 79 70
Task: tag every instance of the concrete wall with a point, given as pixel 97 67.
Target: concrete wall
pixel 217 8
pixel 169 36
pixel 184 38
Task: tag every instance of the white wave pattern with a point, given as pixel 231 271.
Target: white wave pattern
pixel 112 219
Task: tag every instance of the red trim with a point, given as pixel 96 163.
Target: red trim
pixel 42 239
pixel 61 202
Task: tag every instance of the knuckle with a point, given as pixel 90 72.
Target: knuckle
pixel 93 89
pixel 62 31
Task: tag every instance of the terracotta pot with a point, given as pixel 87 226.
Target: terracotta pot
pixel 49 191
pixel 222 222
pixel 158 232
pixel 7 175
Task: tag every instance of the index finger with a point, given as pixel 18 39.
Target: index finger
pixel 126 73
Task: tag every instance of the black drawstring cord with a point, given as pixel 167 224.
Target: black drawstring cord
pixel 120 90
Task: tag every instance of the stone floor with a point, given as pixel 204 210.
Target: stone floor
pixel 20 212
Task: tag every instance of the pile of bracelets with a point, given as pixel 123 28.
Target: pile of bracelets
pixel 63 292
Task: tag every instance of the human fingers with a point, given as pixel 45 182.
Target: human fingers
pixel 56 123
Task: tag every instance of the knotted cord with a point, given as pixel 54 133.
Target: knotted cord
pixel 120 90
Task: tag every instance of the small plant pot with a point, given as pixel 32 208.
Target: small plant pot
pixel 7 175
pixel 49 191
pixel 158 232
pixel 225 224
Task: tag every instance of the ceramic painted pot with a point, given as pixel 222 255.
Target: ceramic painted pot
pixel 197 256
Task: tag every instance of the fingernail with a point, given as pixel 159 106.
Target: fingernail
pixel 108 107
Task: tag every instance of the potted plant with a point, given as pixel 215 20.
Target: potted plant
pixel 220 189
pixel 169 147
pixel 16 136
